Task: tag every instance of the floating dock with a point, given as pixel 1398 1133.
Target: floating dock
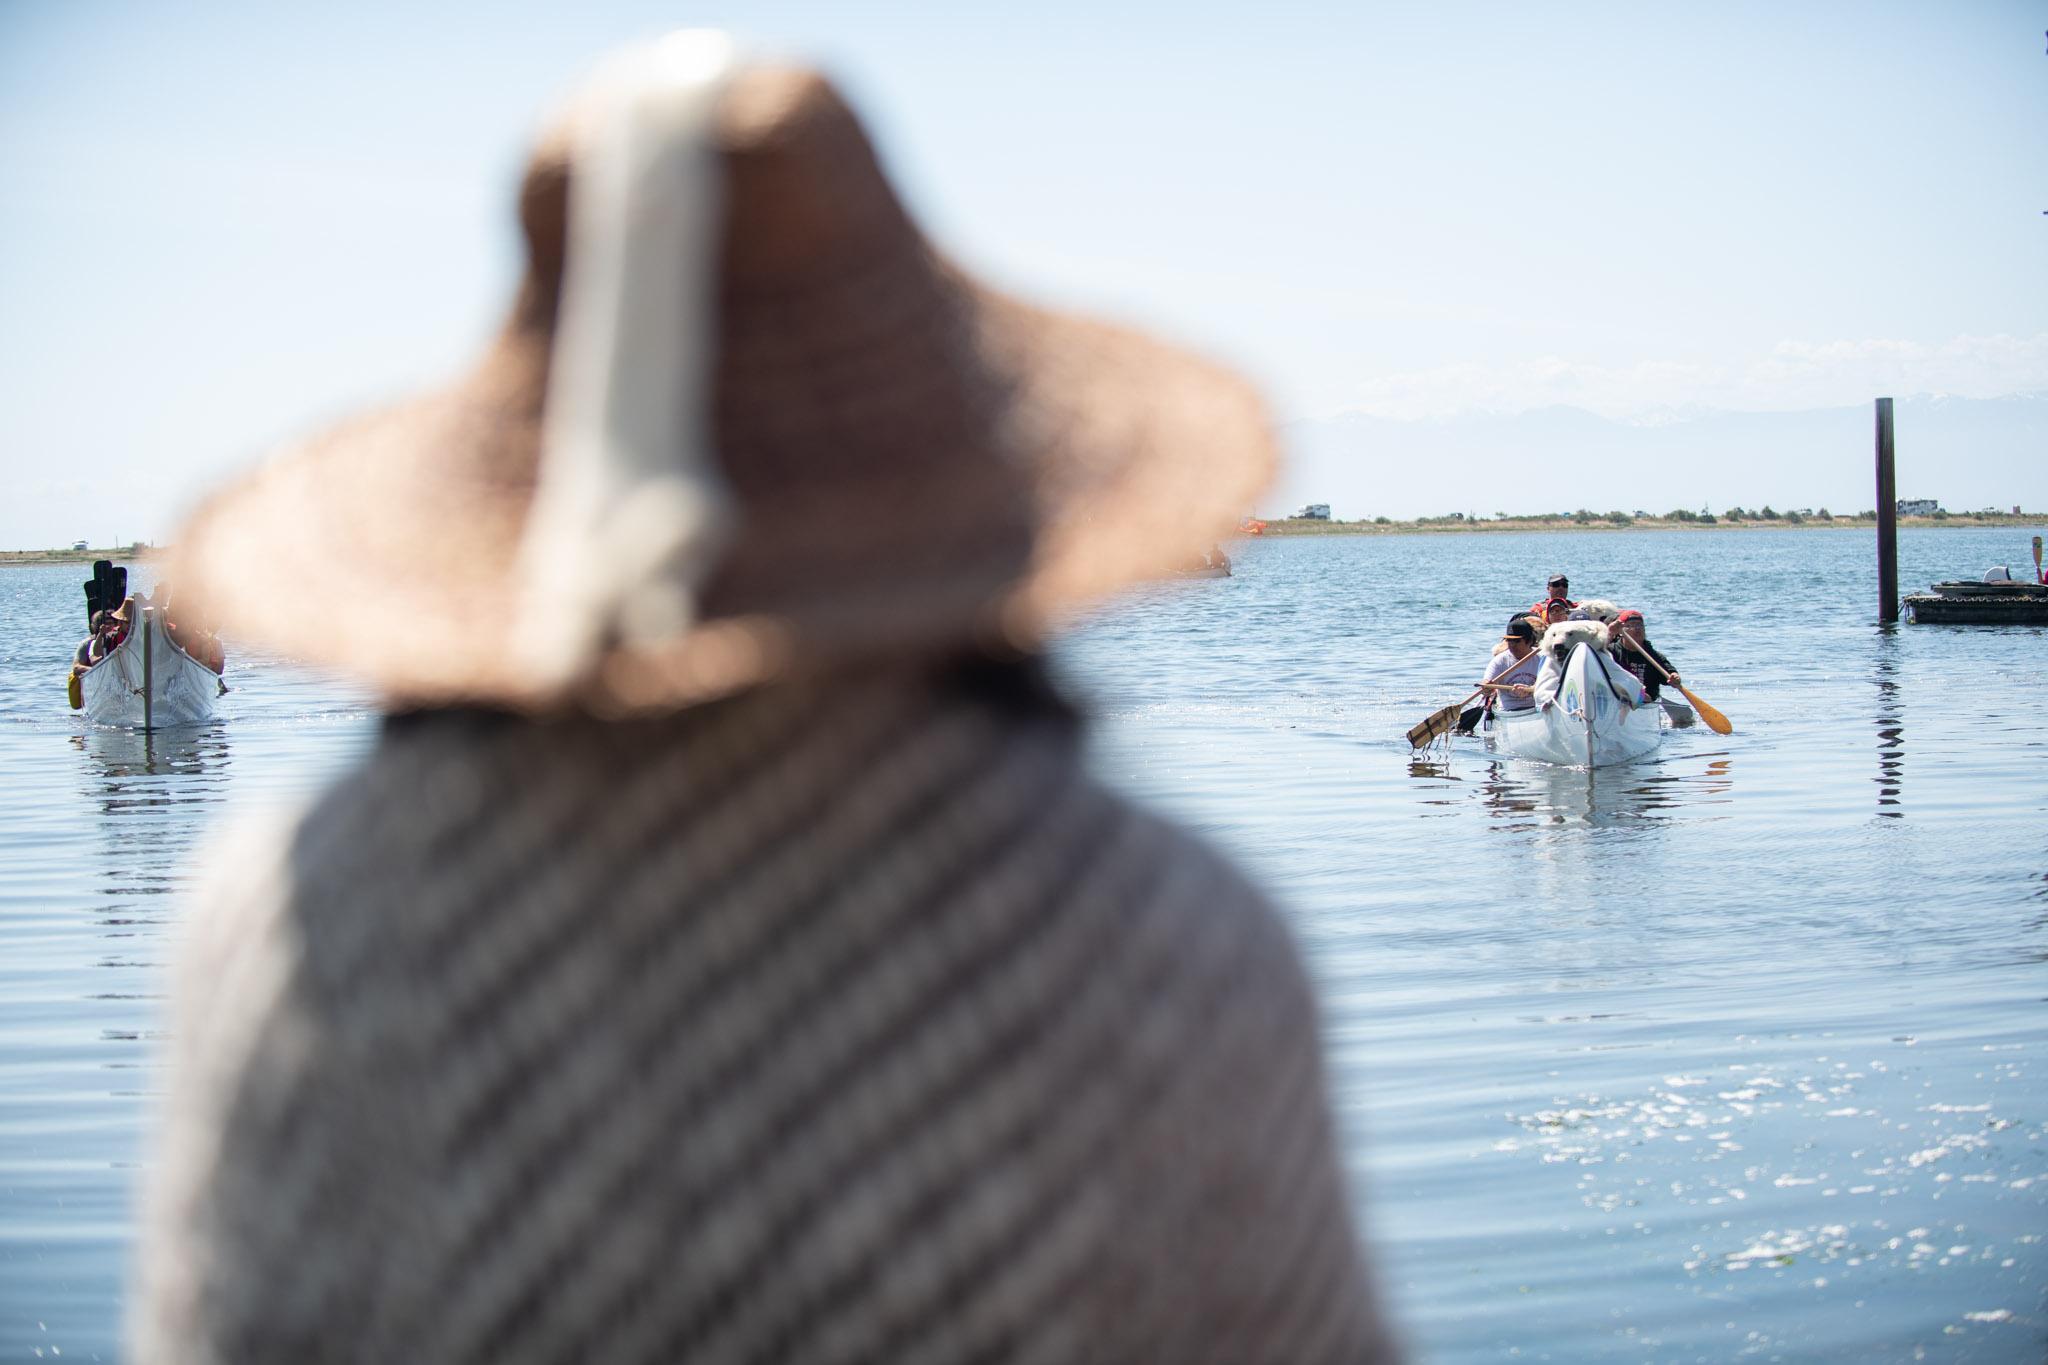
pixel 1981 604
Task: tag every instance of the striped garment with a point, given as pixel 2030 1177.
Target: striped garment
pixel 823 1025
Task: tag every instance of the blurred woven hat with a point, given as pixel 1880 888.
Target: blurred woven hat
pixel 835 446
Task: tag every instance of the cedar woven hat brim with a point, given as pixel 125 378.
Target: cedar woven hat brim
pixel 916 463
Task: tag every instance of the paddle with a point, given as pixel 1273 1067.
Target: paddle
pixel 1439 722
pixel 1442 721
pixel 1716 722
pixel 2038 576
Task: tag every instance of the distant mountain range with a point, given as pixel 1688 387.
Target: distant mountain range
pixel 1967 453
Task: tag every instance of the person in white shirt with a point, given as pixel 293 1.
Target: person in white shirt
pixel 1513 670
pixel 1509 674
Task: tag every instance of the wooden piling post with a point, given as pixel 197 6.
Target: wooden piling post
pixel 1887 519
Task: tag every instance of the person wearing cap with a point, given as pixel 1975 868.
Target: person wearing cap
pixel 1510 674
pixel 733 959
pixel 1560 591
pixel 1631 644
pixel 1549 614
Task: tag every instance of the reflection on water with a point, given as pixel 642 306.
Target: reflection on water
pixel 1683 1059
pixel 99 827
pixel 103 828
pixel 187 751
pixel 1647 1063
pixel 1431 764
pixel 1891 722
pixel 104 825
pixel 1522 794
pixel 149 793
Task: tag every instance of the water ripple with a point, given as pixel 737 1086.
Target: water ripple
pixel 1735 1052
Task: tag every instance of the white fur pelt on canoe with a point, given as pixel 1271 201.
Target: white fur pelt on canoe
pixel 1559 639
pixel 1558 643
pixel 1595 609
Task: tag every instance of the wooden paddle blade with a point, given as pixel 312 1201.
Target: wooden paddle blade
pixel 1716 722
pixel 1439 724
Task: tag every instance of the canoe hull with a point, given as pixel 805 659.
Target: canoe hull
pixel 182 690
pixel 1588 726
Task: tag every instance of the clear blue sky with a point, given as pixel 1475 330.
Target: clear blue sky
pixel 223 224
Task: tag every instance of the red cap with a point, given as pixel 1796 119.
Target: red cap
pixel 1630 615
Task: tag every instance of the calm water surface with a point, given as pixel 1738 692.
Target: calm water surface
pixel 1734 1053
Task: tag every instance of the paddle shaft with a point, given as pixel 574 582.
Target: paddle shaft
pixel 1630 641
pixel 1503 686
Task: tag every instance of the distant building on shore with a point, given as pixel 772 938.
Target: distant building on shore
pixel 1918 507
pixel 1315 511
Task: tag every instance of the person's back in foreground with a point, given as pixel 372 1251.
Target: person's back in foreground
pixel 822 1024
pixel 769 983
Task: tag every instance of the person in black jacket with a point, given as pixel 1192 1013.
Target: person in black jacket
pixel 1631 647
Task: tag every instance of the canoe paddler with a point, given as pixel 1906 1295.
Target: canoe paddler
pixel 114 626
pixel 1631 647
pixel 1542 618
pixel 1511 674
pixel 1560 591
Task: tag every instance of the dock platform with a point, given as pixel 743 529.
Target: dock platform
pixel 1981 604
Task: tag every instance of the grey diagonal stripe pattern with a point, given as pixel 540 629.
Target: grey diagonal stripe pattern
pixel 824 1025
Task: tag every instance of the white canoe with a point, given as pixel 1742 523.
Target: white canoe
pixel 1589 725
pixel 148 682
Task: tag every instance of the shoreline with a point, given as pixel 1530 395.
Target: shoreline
pixel 1295 526
pixel 40 558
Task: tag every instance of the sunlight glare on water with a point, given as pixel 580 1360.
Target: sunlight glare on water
pixel 1734 1052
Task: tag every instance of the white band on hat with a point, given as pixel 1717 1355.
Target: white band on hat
pixel 629 508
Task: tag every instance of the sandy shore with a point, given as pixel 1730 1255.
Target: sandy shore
pixel 29 558
pixel 1292 526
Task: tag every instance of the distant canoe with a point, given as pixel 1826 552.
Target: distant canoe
pixel 1588 726
pixel 1216 571
pixel 148 682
